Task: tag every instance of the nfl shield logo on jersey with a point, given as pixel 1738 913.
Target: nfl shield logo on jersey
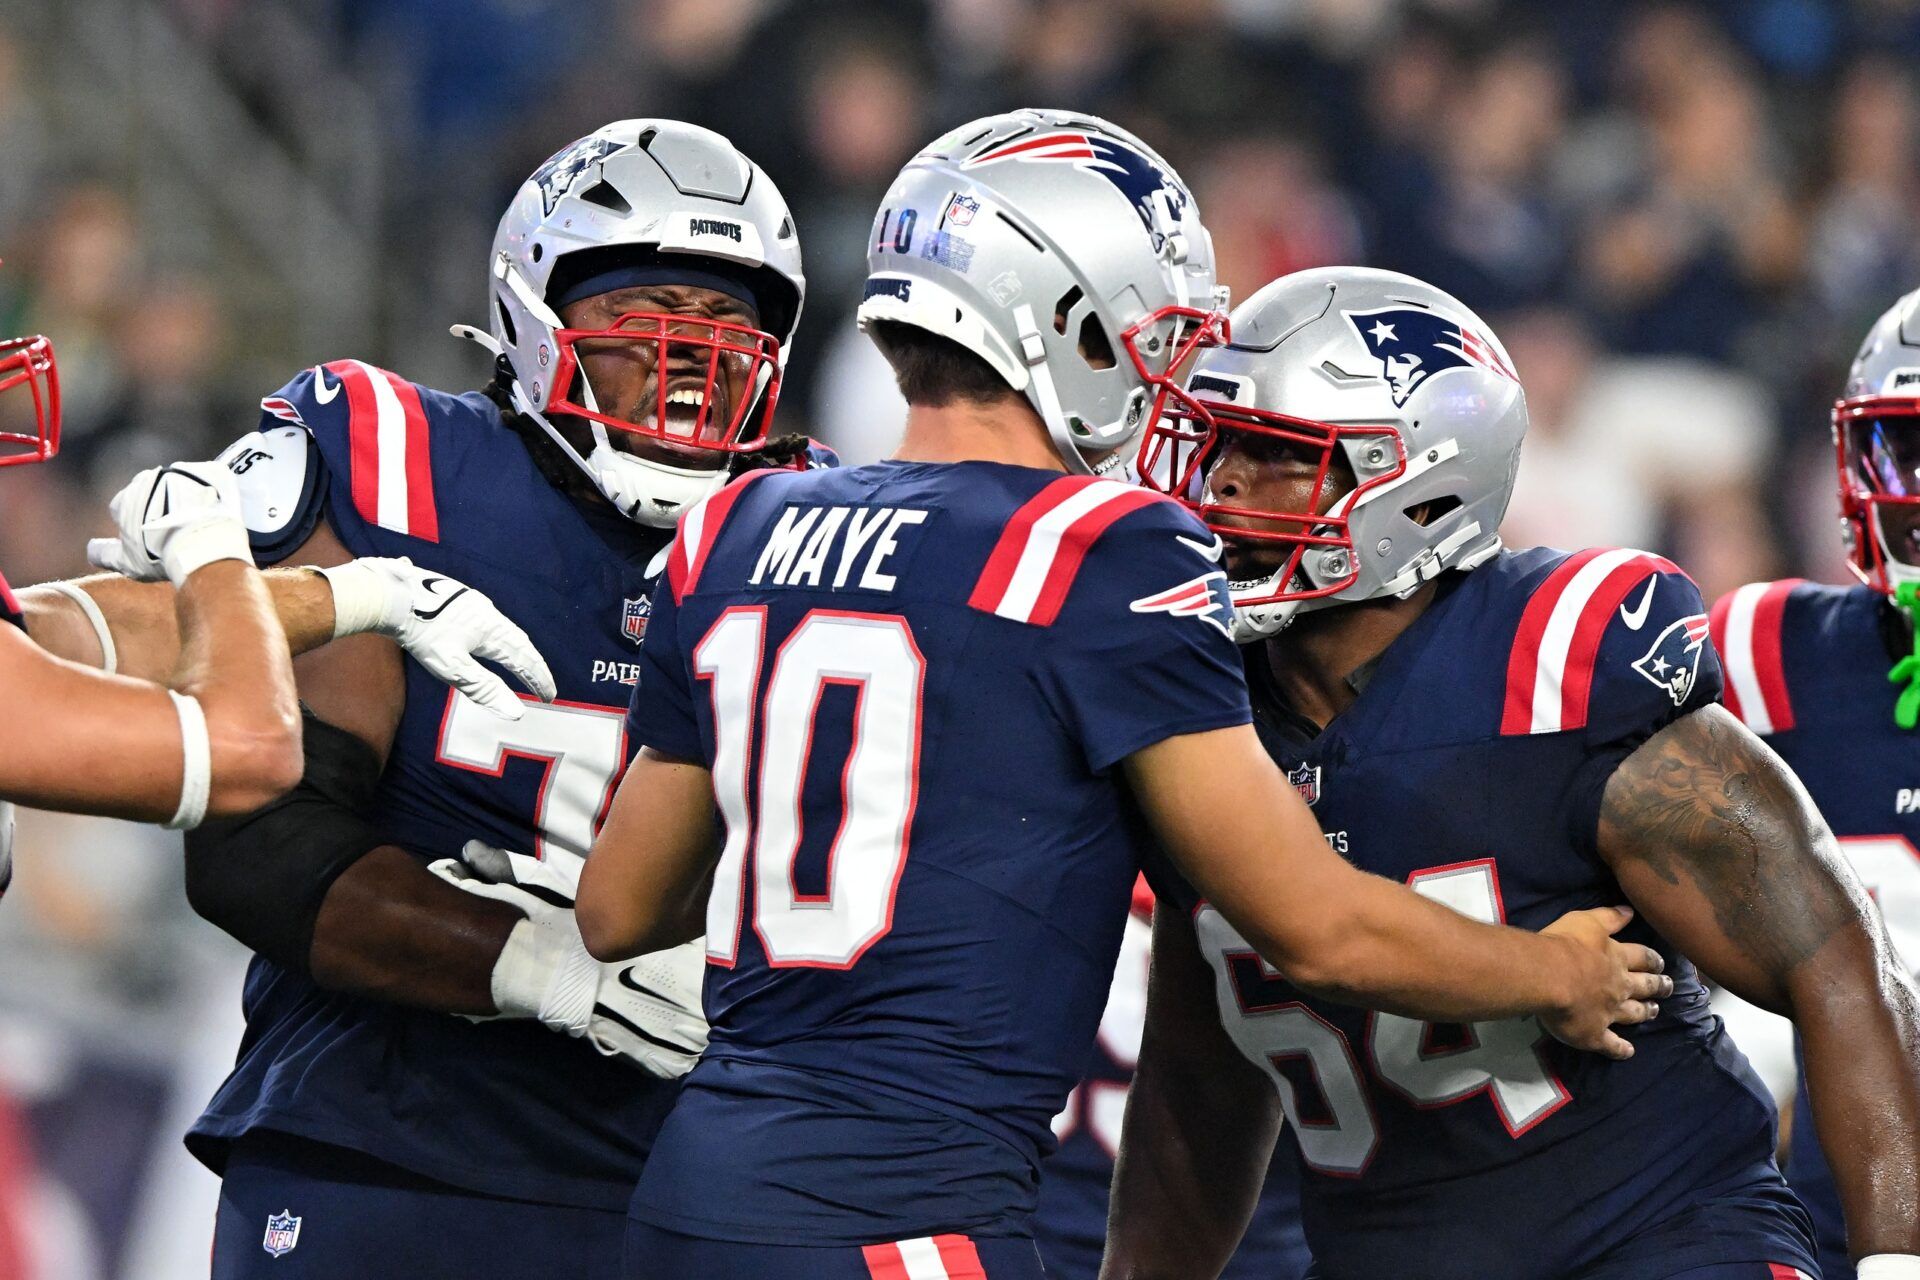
pixel 633 618
pixel 1674 661
pixel 1306 780
pixel 283 1232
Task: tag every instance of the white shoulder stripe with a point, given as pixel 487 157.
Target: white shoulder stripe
pixel 1743 672
pixel 1556 642
pixel 1042 547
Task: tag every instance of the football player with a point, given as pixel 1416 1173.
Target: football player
pixel 1512 734
pixel 1806 671
pixel 1070 1222
pixel 201 717
pixel 937 701
pixel 644 284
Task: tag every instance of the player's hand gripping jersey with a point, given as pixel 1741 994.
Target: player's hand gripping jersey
pixel 506 1108
pixel 1807 670
pixel 1071 1224
pixel 1472 767
pixel 913 683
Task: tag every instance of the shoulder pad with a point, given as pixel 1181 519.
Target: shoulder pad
pixel 1032 567
pixel 283 486
pixel 1748 624
pixel 698 531
pixel 1607 638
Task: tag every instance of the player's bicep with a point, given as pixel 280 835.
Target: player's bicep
pixel 1718 845
pixel 99 744
pixel 358 683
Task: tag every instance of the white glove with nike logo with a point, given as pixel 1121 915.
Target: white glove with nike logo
pixel 647 1009
pixel 446 625
pixel 174 520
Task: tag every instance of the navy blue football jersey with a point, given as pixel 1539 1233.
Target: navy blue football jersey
pixel 507 1108
pixel 1807 670
pixel 1070 1225
pixel 913 683
pixel 1471 767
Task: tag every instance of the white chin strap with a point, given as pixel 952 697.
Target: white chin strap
pixel 644 491
pixel 1256 622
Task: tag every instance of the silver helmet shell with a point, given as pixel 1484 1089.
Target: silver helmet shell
pixel 1062 251
pixel 1394 377
pixel 1876 432
pixel 655 185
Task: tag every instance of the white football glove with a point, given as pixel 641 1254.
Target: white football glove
pixel 173 520
pixel 646 1009
pixel 445 624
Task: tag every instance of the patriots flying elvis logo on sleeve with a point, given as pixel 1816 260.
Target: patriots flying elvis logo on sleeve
pixel 1412 345
pixel 1205 597
pixel 1673 662
pixel 1155 194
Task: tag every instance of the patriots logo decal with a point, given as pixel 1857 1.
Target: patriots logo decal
pixel 1412 345
pixel 1155 194
pixel 1674 661
pixel 556 177
pixel 1205 597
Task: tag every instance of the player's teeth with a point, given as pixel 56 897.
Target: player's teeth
pixel 687 396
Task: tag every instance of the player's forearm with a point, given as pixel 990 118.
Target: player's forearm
pixel 143 625
pixel 390 930
pixel 645 886
pixel 1378 944
pixel 1199 1131
pixel 234 660
pixel 1859 1020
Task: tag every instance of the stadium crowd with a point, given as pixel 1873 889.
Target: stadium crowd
pixel 1679 216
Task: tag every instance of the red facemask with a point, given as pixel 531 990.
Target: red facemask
pixel 1877 448
pixel 713 358
pixel 1181 447
pixel 29 401
pixel 1163 347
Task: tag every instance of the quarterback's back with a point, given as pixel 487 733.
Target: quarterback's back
pixel 912 683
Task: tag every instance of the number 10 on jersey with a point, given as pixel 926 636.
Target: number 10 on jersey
pixel 763 745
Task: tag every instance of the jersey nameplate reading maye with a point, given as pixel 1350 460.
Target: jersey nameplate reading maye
pixel 834 547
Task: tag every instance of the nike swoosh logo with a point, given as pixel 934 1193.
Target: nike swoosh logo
pixel 1637 617
pixel 628 981
pixel 1211 551
pixel 322 393
pixel 441 608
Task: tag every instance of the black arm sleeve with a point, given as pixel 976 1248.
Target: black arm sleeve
pixel 262 876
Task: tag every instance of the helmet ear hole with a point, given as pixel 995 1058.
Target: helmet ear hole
pixel 506 323
pixel 1430 512
pixel 1062 308
pixel 1095 349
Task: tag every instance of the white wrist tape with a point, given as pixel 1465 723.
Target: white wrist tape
pixel 196 774
pixel 109 656
pixel 191 550
pixel 1889 1266
pixel 360 598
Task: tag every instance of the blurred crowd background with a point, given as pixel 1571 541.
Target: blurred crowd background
pixel 1681 218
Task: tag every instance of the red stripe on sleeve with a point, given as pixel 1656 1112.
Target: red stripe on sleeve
pixel 715 515
pixel 884 1262
pixel 1524 660
pixel 1074 545
pixel 1576 679
pixel 1005 558
pixel 1717 628
pixel 363 438
pixel 1769 665
pixel 960 1258
pixel 423 517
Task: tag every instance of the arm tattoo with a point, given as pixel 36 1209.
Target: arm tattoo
pixel 1707 800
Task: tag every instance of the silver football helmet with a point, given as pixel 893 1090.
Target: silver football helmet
pixel 1377 371
pixel 1066 254
pixel 653 201
pixel 1876 435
